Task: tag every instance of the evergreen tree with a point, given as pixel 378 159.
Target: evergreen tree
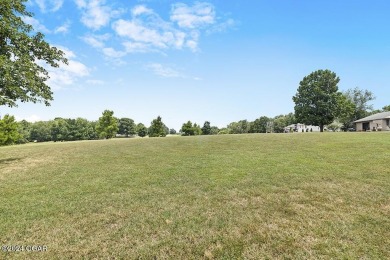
pixel 107 126
pixel 8 130
pixel 157 128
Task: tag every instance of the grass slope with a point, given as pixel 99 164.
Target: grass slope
pixel 236 196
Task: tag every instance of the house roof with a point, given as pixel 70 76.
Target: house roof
pixel 383 115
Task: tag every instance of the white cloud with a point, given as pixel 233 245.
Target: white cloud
pixel 146 31
pixel 81 3
pixel 111 53
pixel 66 75
pixel 96 41
pixel 95 82
pixel 35 24
pixel 133 47
pixel 141 9
pixel 139 32
pixel 95 13
pixel 164 71
pixel 63 28
pixel 49 5
pixel 222 27
pixel 198 15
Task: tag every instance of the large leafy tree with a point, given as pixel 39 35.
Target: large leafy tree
pixel 107 126
pixel 357 102
pixel 8 130
pixel 40 131
pixel 190 129
pixel 259 125
pixel 157 128
pixel 126 127
pixel 22 55
pixel 59 130
pixel 142 130
pixel 317 99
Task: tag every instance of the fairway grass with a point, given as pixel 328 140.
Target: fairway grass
pixel 258 196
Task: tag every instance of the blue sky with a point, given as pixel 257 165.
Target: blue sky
pixel 220 61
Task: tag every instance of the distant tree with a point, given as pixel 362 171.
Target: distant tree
pixel 386 108
pixel 73 130
pixel 354 105
pixel 126 127
pixel 224 131
pixel 197 129
pixel 157 128
pixel 166 129
pixel 8 130
pixel 107 126
pixel 240 127
pixel 24 128
pixel 259 125
pixel 40 131
pixel 187 129
pixel 142 130
pixel 81 129
pixel 20 50
pixel 214 130
pixel 59 130
pixel 346 114
pixel 206 129
pixel 172 131
pixel 316 100
pixel 280 122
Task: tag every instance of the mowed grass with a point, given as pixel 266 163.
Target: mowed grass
pixel 258 196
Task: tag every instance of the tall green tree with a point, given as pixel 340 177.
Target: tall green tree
pixel 142 130
pixel 259 125
pixel 157 128
pixel 190 129
pixel 21 50
pixel 240 127
pixel 206 129
pixel 126 127
pixel 316 100
pixel 281 121
pixel 107 126
pixel 40 131
pixel 24 128
pixel 386 108
pixel 8 130
pixel 355 104
pixel 59 130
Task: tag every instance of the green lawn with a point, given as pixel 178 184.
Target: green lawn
pixel 306 195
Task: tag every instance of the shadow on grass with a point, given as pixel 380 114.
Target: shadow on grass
pixel 8 160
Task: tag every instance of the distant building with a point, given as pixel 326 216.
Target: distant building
pixel 301 128
pixel 376 122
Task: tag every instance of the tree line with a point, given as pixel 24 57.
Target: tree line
pixel 318 100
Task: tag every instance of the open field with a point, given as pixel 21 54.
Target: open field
pixel 253 196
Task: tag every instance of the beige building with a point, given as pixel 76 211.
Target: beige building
pixel 376 122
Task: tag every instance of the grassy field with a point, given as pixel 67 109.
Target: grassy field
pixel 257 196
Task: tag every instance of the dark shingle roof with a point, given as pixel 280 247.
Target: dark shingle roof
pixel 383 115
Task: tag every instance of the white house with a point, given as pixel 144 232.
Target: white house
pixel 301 128
pixel 376 122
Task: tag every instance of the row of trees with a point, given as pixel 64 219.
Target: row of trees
pixel 262 124
pixel 347 107
pixel 61 129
